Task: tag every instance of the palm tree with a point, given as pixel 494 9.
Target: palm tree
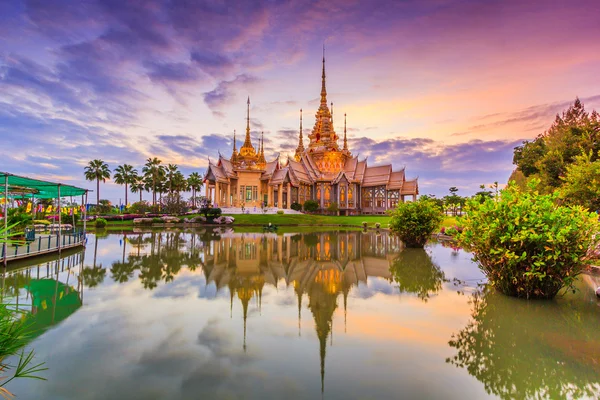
pixel 138 186
pixel 152 171
pixel 97 170
pixel 195 183
pixel 124 175
pixel 170 174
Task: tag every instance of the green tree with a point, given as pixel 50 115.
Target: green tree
pixel 153 171
pixel 527 245
pixel 97 170
pixel 194 182
pixel 581 183
pixel 546 157
pixel 138 186
pixel 415 221
pixel 125 175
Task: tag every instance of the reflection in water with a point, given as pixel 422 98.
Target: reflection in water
pixel 530 349
pixel 39 292
pixel 415 272
pixel 152 292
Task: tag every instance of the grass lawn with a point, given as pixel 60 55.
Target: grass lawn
pixel 300 219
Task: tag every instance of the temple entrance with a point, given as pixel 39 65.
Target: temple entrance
pixel 284 200
pixel 275 198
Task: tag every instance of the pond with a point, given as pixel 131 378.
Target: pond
pixel 228 314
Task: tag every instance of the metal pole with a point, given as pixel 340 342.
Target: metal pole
pixel 85 212
pixel 59 221
pixel 5 245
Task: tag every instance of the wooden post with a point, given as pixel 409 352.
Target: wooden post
pixel 84 212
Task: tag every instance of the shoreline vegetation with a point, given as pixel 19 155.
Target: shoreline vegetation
pixel 289 220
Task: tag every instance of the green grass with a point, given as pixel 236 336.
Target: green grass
pixel 299 219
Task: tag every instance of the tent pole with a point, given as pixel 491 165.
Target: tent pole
pixel 59 222
pixel 85 213
pixel 5 245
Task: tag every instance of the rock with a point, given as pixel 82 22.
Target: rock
pixel 200 219
pixel 169 219
pixel 139 221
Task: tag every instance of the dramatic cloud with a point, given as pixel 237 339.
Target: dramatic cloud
pixel 445 87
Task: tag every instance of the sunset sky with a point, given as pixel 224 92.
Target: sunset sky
pixel 446 88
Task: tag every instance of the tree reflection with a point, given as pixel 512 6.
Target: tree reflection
pixel 414 272
pixel 525 349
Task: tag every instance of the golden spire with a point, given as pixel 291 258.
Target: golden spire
pixel 261 156
pixel 323 90
pixel 234 154
pixel 247 149
pixel 300 148
pixel 345 140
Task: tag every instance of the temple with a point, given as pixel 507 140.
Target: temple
pixel 321 171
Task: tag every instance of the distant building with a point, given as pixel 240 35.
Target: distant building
pixel 321 171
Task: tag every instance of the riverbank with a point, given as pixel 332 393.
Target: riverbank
pixel 299 220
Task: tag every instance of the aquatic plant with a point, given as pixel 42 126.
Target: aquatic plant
pixel 414 222
pixel 526 243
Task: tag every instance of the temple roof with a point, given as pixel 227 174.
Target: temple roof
pixel 396 180
pixel 299 171
pixel 410 187
pixel 377 176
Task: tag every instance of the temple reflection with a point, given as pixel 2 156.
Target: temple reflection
pixel 321 266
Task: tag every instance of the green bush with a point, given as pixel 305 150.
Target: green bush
pixel 364 224
pixel 296 206
pixel 157 220
pixel 68 219
pixel 311 205
pixel 214 212
pixel 100 222
pixel 415 221
pixel 280 212
pixel 41 222
pixel 527 245
pixel 140 207
pixel 377 225
pixel 333 208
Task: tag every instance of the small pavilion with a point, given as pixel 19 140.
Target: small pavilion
pixel 24 188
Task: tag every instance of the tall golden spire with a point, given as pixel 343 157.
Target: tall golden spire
pixel 300 148
pixel 234 154
pixel 261 156
pixel 323 90
pixel 247 149
pixel 345 140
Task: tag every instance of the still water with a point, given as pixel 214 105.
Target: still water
pixel 336 315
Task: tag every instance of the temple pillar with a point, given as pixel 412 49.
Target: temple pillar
pixel 414 197
pixel 228 199
pixel 289 195
pixel 322 202
pixel 279 195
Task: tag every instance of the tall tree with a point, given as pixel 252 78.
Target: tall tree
pixel 138 186
pixel 171 172
pixel 194 183
pixel 152 171
pixel 125 175
pixel 97 170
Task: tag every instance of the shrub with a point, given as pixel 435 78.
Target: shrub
pixel 139 207
pixel 68 219
pixel 214 212
pixel 311 205
pixel 526 244
pixel 296 206
pixel 377 225
pixel 100 222
pixel 157 220
pixel 105 207
pixel 415 221
pixel 364 224
pixel 41 222
pixel 333 208
pixel 174 204
pixel 280 212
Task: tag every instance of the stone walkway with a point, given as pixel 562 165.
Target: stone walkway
pixel 257 210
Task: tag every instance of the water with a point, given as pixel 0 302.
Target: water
pixel 335 315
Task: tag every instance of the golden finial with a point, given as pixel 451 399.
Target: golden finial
pixel 345 140
pixel 247 149
pixel 323 90
pixel 300 147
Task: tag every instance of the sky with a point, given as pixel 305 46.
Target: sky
pixel 445 88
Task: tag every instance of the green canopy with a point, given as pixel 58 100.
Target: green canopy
pixel 21 186
pixel 43 292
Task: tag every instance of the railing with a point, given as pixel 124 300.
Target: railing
pixel 44 243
